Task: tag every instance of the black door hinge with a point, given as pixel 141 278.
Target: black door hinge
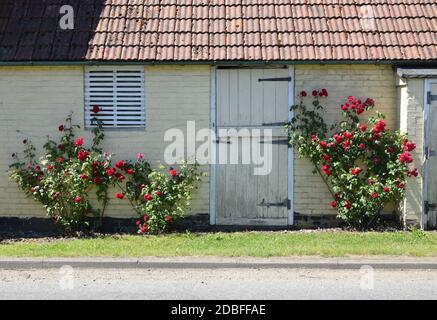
pixel 430 97
pixel 287 79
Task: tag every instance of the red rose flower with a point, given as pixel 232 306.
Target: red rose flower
pixel 49 167
pixel 303 94
pixel 120 177
pixel 362 146
pixel 327 169
pixel 158 193
pixel 326 157
pixel 401 185
pixel 110 172
pixel 314 138
pixel 120 164
pixel 97 180
pixel 79 142
pixel 77 199
pixel 61 128
pixel 82 155
pixel 370 102
pixel 347 145
pixel 173 173
pixel 333 204
pixel 315 93
pixel 389 149
pixel 60 160
pixel 405 158
pixel 348 205
pixel 119 196
pixel 409 146
pixel 144 229
pixel 83 176
pixel 345 107
pixel 413 172
pixel 168 219
pixel 138 223
pixel 96 109
pixel 356 171
pixel 146 218
pixel 337 196
pixel 363 127
pixel 374 195
pixel 348 135
pixel 148 197
pixel 324 93
pixel 130 171
pixel 323 144
pixel 386 189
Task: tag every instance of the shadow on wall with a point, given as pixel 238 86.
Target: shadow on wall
pixel 31 30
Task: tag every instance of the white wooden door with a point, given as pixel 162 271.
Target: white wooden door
pixel 252 99
pixel 431 156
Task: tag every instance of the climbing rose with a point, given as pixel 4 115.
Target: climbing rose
pixel 82 155
pixel 148 197
pixel 120 164
pixel 356 171
pixel 327 169
pixel 326 157
pixel 61 128
pixel 110 172
pixel 120 177
pixel 173 173
pixel 324 93
pixel 77 199
pixel 323 144
pixel 413 172
pixel 315 93
pixel 386 189
pixel 303 94
pixel 96 109
pixel 409 146
pixel 362 146
pixel 79 142
pixel 119 196
pixel 129 171
pixel 374 195
pixel 405 158
pixel 379 127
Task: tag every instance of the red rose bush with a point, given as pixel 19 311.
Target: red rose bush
pixel 72 181
pixel 364 164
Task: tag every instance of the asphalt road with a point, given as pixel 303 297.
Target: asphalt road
pixel 235 284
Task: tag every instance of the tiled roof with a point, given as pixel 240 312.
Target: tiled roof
pixel 220 30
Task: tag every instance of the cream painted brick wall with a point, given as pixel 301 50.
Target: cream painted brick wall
pixel 374 81
pixel 35 100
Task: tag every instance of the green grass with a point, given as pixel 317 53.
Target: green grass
pixel 255 244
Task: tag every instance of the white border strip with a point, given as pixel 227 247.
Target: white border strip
pixel 213 168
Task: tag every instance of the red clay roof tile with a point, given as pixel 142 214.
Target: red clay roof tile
pixel 220 30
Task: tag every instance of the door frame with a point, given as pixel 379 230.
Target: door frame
pixel 213 148
pixel 427 122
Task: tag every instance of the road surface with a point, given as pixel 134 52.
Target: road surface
pixel 240 283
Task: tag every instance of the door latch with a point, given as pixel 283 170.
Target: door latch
pixel 286 203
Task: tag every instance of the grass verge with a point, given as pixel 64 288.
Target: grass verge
pixel 249 244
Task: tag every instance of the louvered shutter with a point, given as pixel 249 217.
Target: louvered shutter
pixel 119 93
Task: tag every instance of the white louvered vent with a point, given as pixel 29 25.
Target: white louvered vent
pixel 119 93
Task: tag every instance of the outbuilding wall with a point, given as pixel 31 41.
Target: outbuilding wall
pixel 35 100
